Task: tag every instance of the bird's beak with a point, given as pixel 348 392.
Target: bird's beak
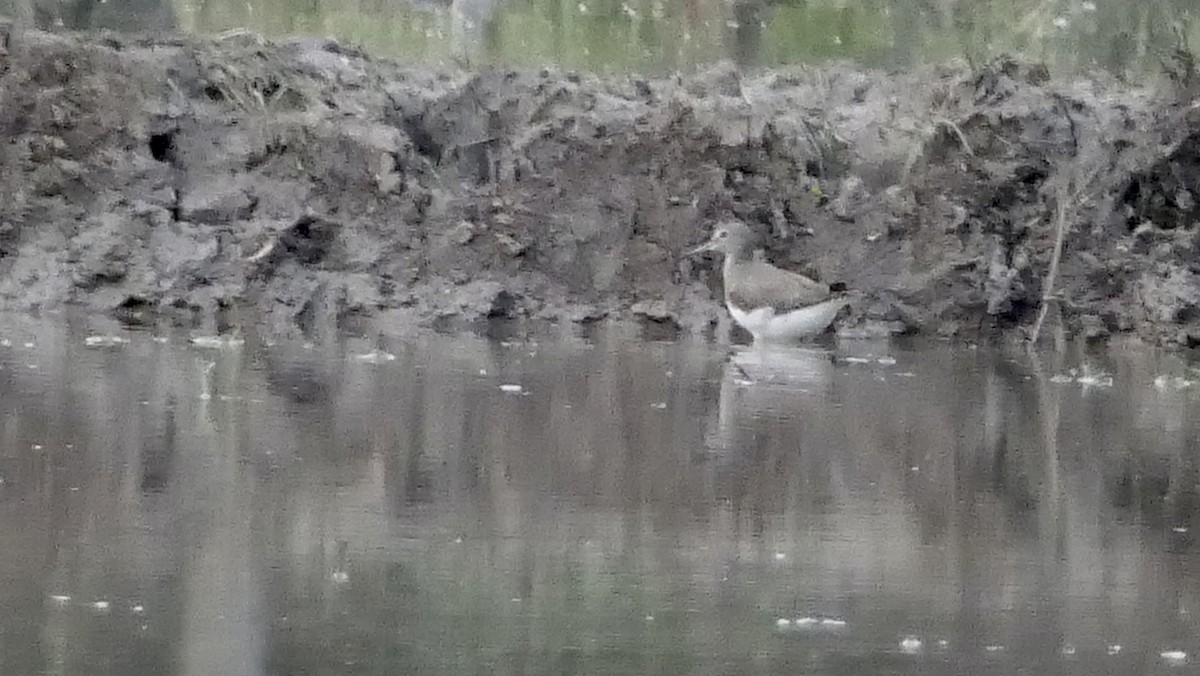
pixel 707 246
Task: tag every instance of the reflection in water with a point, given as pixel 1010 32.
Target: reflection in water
pixel 631 508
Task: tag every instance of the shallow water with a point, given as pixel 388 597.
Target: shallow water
pixel 591 507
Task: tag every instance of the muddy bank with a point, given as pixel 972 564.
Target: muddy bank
pixel 303 185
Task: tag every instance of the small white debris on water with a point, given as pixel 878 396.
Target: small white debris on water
pixel 780 556
pixel 483 372
pixel 60 599
pixel 886 361
pixel 138 609
pixel 943 643
pixel 1175 656
pixel 783 623
pixel 1179 529
pixel 512 389
pixel 1114 649
pixel 105 341
pixel 162 339
pixel 914 468
pixel 807 621
pixel 1088 6
pixel 1060 379
pixel 4 342
pixel 100 606
pixel 1095 380
pixel 857 360
pixel 1164 382
pixel 1061 22
pixel 37 447
pixel 340 577
pixel 216 342
pixel 29 345
pixel 649 618
pixel 375 357
pixel 832 623
pixel 1068 650
pixel 582 7
pixel 660 406
pixel 993 648
pixel 910 645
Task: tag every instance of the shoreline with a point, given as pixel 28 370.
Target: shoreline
pixel 301 186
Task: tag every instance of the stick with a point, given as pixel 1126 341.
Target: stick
pixel 1060 217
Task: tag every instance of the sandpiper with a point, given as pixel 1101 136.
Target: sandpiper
pixel 774 305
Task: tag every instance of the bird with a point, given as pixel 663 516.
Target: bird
pixel 776 306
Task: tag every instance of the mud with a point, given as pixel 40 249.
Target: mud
pixel 304 185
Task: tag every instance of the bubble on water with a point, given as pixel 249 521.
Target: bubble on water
pixel 911 645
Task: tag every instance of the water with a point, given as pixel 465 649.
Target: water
pixel 622 507
pixel 657 36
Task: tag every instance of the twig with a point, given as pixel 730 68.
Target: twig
pixel 962 138
pixel 1060 217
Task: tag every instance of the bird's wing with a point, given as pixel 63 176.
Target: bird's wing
pixel 759 284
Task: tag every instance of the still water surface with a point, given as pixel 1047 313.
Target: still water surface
pixel 590 507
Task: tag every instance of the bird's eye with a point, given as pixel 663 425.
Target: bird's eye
pixel 722 234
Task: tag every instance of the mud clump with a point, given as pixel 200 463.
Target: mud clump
pixel 306 184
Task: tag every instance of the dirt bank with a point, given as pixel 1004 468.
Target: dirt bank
pixel 305 184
